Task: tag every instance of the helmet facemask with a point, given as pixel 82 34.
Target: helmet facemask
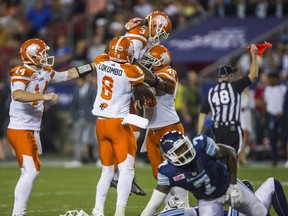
pixel 149 61
pixel 156 57
pixel 157 29
pixel 181 153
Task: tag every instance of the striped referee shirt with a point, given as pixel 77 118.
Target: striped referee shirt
pixel 224 100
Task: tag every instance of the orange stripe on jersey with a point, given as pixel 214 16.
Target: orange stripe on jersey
pixel 48 68
pixel 21 71
pixel 168 74
pixel 138 33
pixel 52 74
pixel 134 74
pixel 26 82
pixel 101 58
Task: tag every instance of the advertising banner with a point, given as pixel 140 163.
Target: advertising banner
pixel 216 37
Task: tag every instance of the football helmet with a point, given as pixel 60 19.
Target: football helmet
pixel 34 51
pixel 177 148
pixel 159 25
pixel 156 57
pixel 121 49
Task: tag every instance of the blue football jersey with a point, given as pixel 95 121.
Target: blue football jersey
pixel 205 176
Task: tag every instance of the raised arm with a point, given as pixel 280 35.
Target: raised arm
pixel 253 74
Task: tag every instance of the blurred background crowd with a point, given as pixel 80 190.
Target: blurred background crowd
pixel 78 30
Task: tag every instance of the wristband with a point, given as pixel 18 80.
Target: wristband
pixel 84 70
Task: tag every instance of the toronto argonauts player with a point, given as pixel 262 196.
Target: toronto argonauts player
pixel 194 167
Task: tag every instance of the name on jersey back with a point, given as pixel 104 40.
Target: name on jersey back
pixel 110 69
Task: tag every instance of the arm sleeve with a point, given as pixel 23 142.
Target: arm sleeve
pixel 154 203
pixel 138 45
pixel 241 83
pixel 18 86
pixel 210 147
pixel 59 77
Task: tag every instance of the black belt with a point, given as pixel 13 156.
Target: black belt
pixel 217 124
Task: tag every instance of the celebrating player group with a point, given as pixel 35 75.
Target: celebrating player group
pixel 134 71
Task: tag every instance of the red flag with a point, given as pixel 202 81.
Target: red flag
pixel 261 47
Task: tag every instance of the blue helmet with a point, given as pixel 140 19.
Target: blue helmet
pixel 177 148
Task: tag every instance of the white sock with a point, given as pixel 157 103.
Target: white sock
pixel 23 190
pixel 103 185
pixel 126 175
pixel 120 211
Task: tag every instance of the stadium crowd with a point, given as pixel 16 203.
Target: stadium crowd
pixel 77 31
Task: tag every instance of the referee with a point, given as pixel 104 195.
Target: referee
pixel 223 101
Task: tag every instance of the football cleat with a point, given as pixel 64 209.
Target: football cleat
pixel 114 183
pixel 21 214
pixel 136 189
pixel 75 213
pixel 98 212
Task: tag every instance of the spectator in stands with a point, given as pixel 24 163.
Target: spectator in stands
pixel 270 61
pixel 191 103
pixel 4 114
pixel 247 106
pixel 217 8
pixel 260 114
pixel 58 11
pixel 285 111
pixel 80 53
pixel 83 122
pixel 261 9
pixel 40 16
pixel 284 62
pixel 142 8
pixel 63 52
pixel 96 48
pixel 274 95
pixel 244 62
pixel 276 8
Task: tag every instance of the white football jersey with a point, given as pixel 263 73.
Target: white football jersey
pixel 28 115
pixel 164 113
pixel 139 38
pixel 115 87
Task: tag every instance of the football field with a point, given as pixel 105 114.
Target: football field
pixel 58 189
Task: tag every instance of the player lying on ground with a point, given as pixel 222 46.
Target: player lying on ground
pixel 195 167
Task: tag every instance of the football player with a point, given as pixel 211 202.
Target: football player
pixel 157 25
pixel 162 116
pixel 270 193
pixel 195 167
pixel 117 79
pixel 29 83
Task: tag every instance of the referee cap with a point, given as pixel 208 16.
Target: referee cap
pixel 225 70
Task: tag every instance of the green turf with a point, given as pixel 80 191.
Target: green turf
pixel 58 189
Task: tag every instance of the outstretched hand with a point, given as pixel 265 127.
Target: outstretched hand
pixel 132 23
pixel 260 47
